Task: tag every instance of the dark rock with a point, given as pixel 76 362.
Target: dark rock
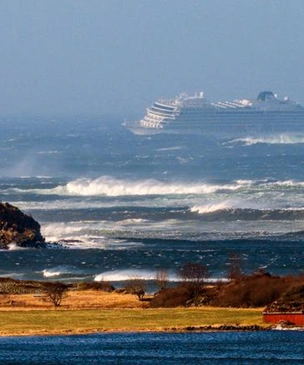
pixel 19 228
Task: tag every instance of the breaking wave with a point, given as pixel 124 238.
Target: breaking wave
pixel 148 275
pixel 124 275
pixel 281 139
pixel 109 186
pixel 58 271
pixel 113 187
pixel 249 214
pixel 209 208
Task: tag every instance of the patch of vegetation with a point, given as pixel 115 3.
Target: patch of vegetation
pixel 94 285
pixel 55 292
pixel 136 286
pixel 81 321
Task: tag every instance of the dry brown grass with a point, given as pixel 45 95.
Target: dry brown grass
pixel 75 300
pixel 95 311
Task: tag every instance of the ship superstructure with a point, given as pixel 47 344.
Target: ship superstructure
pixel 195 114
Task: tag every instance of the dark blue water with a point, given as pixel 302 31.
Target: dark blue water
pixel 272 347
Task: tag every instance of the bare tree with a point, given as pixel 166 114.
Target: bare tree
pixel 136 286
pixel 56 292
pixel 162 279
pixel 194 276
pixel 235 267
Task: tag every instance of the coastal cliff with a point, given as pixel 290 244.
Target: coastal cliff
pixel 18 228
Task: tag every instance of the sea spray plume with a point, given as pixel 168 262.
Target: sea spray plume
pixel 58 271
pixel 55 231
pixel 213 207
pixel 124 275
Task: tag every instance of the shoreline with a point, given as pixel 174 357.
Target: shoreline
pixel 168 330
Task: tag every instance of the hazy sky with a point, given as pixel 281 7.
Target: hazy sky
pixel 100 56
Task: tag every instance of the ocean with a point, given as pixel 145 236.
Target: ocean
pixel 264 348
pixel 114 205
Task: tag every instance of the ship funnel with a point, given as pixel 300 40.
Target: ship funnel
pixel 201 94
pixel 266 95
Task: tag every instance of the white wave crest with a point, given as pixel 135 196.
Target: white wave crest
pixel 280 139
pixel 15 247
pixel 209 208
pixel 113 187
pixel 124 275
pixel 83 235
pixel 129 274
pixel 288 183
pixel 54 232
pixel 57 271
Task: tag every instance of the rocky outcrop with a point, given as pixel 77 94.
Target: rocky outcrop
pixel 19 228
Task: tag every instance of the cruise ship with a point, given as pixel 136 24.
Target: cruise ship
pixel 266 115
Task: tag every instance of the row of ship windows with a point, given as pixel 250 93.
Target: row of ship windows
pixel 190 113
pixel 222 126
pixel 162 107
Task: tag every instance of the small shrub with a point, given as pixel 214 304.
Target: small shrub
pixel 56 292
pixel 171 297
pixel 235 267
pixel 162 280
pixel 193 276
pixel 95 285
pixel 136 286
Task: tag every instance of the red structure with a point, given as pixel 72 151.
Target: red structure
pixel 295 318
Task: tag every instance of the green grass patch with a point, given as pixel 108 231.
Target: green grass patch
pixel 78 321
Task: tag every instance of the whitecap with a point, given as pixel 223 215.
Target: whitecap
pixel 209 208
pixel 278 139
pixel 58 271
pixel 113 187
pixel 148 275
pixel 14 247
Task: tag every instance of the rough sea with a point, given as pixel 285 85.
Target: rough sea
pixel 116 205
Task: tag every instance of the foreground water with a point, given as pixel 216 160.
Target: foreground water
pixel 270 347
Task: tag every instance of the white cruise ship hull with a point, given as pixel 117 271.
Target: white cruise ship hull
pixel 237 119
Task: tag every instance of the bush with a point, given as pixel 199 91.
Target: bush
pixel 193 276
pixel 136 286
pixel 171 297
pixel 56 292
pixel 162 280
pixel 235 267
pixel 94 285
pixel 253 291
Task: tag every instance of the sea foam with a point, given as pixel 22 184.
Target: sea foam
pixel 281 139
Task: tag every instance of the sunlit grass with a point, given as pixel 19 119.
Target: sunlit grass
pixel 84 321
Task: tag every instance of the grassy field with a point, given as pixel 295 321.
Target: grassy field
pixel 34 322
pixel 96 311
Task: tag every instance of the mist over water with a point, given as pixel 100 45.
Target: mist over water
pixel 113 204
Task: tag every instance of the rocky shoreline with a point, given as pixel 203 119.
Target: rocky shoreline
pixel 228 328
pixel 18 228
